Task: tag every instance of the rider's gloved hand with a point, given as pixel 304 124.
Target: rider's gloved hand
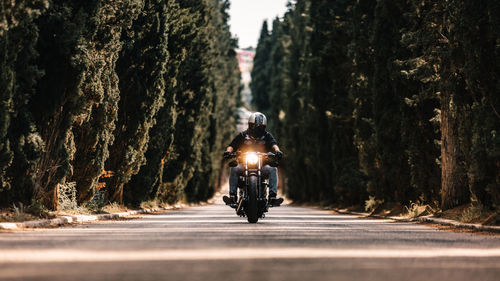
pixel 278 154
pixel 226 155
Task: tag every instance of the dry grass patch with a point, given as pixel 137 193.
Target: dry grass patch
pixel 114 208
pixel 415 210
pixel 20 212
pixel 472 213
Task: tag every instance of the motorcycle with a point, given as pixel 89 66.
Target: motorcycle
pixel 253 188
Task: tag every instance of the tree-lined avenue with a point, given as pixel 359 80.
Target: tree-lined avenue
pixel 211 243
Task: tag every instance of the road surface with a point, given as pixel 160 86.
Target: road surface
pixel 211 243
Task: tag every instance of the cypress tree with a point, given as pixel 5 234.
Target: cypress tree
pixel 93 137
pixel 361 95
pixel 149 180
pixel 261 74
pixel 59 127
pixel 309 66
pixel 418 83
pixel 477 32
pixel 393 170
pixel 20 142
pixel 184 156
pixel 361 54
pixel 192 101
pixel 224 82
pixel 77 98
pixel 294 138
pixel 142 69
pixel 276 76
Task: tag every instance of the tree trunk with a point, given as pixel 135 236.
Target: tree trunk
pixel 115 194
pixel 454 191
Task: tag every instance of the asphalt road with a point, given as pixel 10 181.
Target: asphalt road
pixel 211 243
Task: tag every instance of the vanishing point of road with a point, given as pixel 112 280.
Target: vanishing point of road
pixel 211 243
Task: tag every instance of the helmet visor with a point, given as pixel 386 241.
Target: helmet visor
pixel 256 131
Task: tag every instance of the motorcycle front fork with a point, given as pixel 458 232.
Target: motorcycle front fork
pixel 242 196
pixel 265 189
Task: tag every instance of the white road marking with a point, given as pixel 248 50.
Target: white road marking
pixel 166 220
pixel 62 256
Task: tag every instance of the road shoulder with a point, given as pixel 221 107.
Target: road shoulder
pixel 428 220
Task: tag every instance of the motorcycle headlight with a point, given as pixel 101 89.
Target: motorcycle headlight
pixel 252 158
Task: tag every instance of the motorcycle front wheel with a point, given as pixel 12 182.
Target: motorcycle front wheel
pixel 251 206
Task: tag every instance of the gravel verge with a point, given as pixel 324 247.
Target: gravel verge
pixel 428 219
pixel 62 220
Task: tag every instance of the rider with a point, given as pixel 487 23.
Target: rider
pixel 257 139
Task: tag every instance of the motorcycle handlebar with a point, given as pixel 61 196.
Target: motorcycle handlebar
pixel 240 153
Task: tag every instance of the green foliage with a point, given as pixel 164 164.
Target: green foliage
pixel 149 180
pixel 360 91
pixel 76 103
pixel 20 142
pixel 197 119
pixel 309 80
pixel 393 170
pixel 142 69
pixel 93 91
pixel 98 201
pixel 394 100
pixel 101 92
pixel 473 213
pixel 184 159
pixel 261 71
pixel 134 99
pixel 37 209
pixel 193 98
pixel 478 33
pixel 219 116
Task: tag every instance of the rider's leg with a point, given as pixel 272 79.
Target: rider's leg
pixel 233 186
pixel 233 179
pixel 272 174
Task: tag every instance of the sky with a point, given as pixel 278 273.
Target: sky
pixel 247 17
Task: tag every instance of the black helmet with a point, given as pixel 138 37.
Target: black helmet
pixel 257 124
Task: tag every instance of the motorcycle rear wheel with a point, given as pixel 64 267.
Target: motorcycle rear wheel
pixel 251 209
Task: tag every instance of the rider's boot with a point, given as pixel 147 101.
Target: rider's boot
pixel 273 200
pixel 232 200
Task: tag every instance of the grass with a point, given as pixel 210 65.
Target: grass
pixel 69 206
pixel 416 209
pixel 476 214
pixel 114 208
pixel 15 215
pixel 91 210
pixel 472 213
pixel 150 204
pixel 20 212
pixel 153 204
pixel 372 203
pixel 81 210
